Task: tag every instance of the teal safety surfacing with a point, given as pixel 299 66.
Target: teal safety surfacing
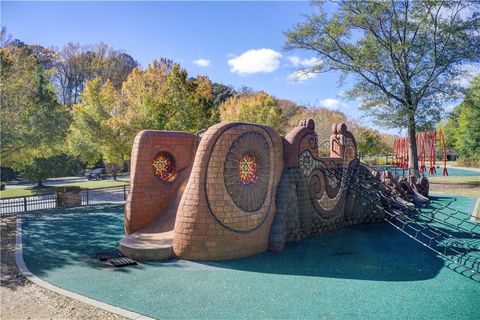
pixel 362 272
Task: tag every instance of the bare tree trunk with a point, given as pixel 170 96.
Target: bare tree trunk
pixel 412 149
pixel 40 184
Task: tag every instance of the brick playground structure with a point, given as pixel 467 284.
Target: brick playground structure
pixel 238 190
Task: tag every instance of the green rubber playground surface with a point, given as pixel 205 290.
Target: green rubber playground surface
pixel 363 272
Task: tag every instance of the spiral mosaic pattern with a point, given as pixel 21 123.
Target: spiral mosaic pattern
pixel 325 188
pixel 164 166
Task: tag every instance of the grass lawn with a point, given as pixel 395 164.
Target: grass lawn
pixel 29 191
pixel 474 180
pixel 467 186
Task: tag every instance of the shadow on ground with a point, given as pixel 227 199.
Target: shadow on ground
pixel 375 252
pixel 368 252
pixel 61 237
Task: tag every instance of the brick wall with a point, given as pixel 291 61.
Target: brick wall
pixel 149 195
pixel 210 225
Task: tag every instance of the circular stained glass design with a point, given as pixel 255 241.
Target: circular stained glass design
pixel 164 166
pixel 247 169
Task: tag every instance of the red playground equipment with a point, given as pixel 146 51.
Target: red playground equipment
pixel 426 148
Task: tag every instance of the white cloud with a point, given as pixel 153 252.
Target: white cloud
pixel 201 62
pixel 301 75
pixel 332 104
pixel 306 63
pixel 255 61
pixel 307 68
pixel 294 60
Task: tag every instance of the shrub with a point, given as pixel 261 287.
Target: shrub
pixel 469 162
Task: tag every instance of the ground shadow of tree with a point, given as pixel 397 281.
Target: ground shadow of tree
pixel 60 237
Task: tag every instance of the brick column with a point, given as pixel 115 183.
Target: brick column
pixel 68 196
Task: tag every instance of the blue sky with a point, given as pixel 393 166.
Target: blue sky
pixel 235 43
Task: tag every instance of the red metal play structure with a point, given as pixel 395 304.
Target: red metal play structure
pixel 426 148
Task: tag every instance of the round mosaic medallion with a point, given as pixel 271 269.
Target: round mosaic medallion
pixel 247 171
pixel 164 166
pixel 240 176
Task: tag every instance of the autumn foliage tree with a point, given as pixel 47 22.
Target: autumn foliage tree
pixel 76 64
pixel 93 134
pixel 323 118
pixel 161 97
pixel 255 107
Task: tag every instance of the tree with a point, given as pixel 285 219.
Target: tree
pixel 370 143
pixel 470 143
pixel 162 98
pixel 221 93
pixel 289 109
pixel 323 118
pixel 38 170
pixel 406 56
pixel 255 108
pixel 77 64
pixel 462 128
pixel 33 122
pixel 42 168
pixel 44 56
pixel 93 133
pixel 5 37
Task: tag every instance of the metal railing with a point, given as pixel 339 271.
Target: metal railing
pixel 12 205
pixel 102 195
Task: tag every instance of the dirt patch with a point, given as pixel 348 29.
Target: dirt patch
pixel 21 299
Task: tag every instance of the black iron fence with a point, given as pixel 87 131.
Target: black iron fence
pixel 9 206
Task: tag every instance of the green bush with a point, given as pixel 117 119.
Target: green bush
pixel 469 162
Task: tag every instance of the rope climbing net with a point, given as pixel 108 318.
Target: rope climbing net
pixel 442 228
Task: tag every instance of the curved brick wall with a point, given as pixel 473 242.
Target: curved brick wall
pixel 149 195
pixel 223 215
